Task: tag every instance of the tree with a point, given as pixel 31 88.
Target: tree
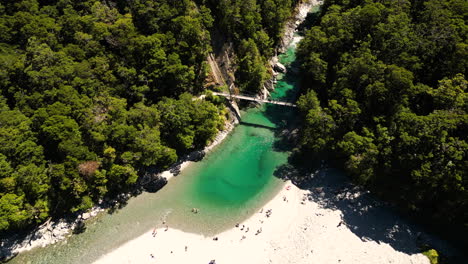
pixel 176 127
pixel 12 212
pixel 251 71
pixel 387 100
pixel 319 130
pixel 152 152
pixel 361 155
pixel 451 93
pixel 121 177
pixel 92 93
pixel 7 181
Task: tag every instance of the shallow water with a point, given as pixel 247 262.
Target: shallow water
pixel 231 183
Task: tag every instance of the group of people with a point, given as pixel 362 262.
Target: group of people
pixel 258 231
pixel 246 228
pixel 243 227
pixel 155 231
pixel 167 228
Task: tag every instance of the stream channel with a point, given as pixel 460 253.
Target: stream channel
pixel 232 182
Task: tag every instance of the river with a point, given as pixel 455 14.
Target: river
pixel 227 186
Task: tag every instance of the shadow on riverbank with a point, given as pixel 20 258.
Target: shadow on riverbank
pixel 364 215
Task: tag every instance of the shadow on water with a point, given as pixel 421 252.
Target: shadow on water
pixel 286 90
pixel 285 118
pixel 257 125
pixel 310 20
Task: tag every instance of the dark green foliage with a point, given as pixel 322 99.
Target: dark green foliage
pixel 82 112
pixel 186 123
pixel 92 93
pixel 252 72
pixel 255 27
pixel 390 100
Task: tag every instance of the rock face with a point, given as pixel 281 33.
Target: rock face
pixel 48 233
pixel 279 67
pixel 289 29
pixel 291 26
pixel 85 216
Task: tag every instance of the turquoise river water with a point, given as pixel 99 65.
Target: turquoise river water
pixel 228 185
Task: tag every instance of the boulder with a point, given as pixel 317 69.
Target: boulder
pixel 279 67
pixel 85 216
pixel 156 184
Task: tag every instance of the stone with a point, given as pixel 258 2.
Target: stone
pixel 155 184
pixel 279 67
pixel 85 216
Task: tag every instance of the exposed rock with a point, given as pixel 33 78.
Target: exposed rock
pixel 156 184
pixel 266 93
pixel 274 60
pixel 279 67
pixel 48 233
pixel 290 27
pixel 85 216
pixel 80 227
pixel 269 84
pixel 196 155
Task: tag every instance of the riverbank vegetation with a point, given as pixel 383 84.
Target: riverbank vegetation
pixel 93 93
pixel 388 99
pixel 255 27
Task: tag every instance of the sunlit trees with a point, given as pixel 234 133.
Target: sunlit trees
pixel 81 108
pixel 391 100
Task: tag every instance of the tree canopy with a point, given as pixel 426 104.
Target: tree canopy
pixel 255 27
pixel 93 93
pixel 388 99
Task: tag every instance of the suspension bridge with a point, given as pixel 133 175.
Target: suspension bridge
pixel 254 99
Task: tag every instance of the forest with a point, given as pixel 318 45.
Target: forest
pixel 94 93
pixel 386 99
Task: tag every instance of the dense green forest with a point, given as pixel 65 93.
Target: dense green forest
pixel 93 93
pixel 388 100
pixel 255 27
